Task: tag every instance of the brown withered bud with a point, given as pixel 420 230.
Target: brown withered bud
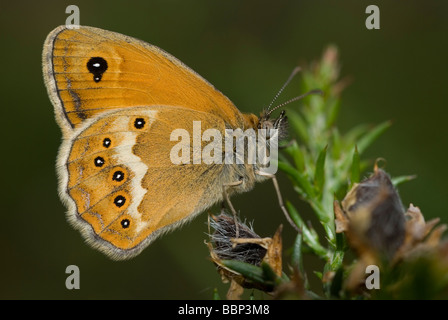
pixel 225 249
pixel 421 236
pixel 377 226
pixel 373 216
pixel 249 247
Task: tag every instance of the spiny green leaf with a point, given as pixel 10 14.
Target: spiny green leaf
pixel 319 173
pixel 294 215
pixel 269 274
pixel 317 103
pixel 297 259
pixel 337 259
pixel 332 111
pixel 299 125
pixel 263 275
pixel 309 82
pixel 340 242
pixel 249 271
pixel 336 145
pixel 336 283
pixel 298 178
pixel 282 158
pixel 355 172
pixel 297 252
pixel 401 179
pixel 328 225
pixel 297 155
pixel 309 237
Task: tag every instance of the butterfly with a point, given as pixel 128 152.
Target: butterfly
pixel 117 101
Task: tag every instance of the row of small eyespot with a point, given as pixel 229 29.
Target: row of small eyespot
pixel 119 201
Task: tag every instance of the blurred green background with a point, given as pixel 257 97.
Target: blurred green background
pixel 246 49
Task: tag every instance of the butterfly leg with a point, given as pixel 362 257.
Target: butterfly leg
pixel 279 196
pixel 226 196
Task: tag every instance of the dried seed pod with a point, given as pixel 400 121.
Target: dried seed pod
pixel 373 215
pixel 226 249
pixel 248 247
pixel 377 227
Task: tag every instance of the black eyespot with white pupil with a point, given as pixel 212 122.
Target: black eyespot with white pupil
pixel 118 176
pixel 106 143
pixel 97 66
pixel 119 201
pixel 125 223
pixel 99 161
pixel 139 123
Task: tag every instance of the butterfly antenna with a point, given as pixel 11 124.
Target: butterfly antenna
pixel 315 91
pixel 293 73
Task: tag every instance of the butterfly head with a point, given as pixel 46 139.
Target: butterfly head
pixel 278 126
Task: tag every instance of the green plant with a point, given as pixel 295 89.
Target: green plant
pixel 325 167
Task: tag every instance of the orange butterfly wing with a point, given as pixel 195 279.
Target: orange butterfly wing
pixel 89 71
pixel 119 182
